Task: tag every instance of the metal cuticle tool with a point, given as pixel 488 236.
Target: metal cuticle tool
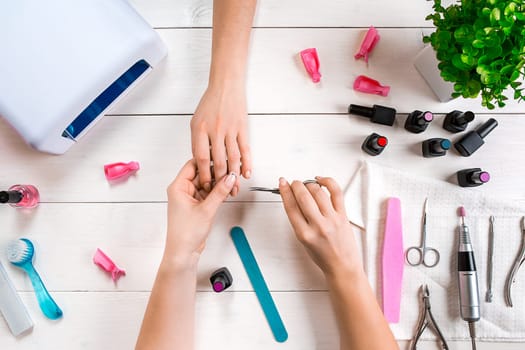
pixel 276 190
pixel 490 261
pixel 426 320
pixel 520 259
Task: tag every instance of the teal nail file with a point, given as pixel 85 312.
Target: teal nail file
pixel 259 285
pixel 11 306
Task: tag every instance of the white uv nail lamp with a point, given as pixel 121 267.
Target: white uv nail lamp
pixel 64 63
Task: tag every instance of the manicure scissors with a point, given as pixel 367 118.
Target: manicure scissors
pixel 276 190
pixel 520 259
pixel 422 252
pixel 426 319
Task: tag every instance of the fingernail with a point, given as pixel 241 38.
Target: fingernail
pixel 230 179
pixel 318 177
pixel 247 174
pixel 282 181
pixel 207 187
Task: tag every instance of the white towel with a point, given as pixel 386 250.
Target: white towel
pixel 365 199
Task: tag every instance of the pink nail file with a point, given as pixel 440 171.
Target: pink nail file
pixel 392 261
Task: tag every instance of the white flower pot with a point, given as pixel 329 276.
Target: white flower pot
pixel 426 64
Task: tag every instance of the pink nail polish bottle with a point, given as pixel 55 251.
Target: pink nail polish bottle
pixel 20 196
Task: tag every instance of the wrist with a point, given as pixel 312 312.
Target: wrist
pixel 227 84
pixel 179 263
pixel 345 276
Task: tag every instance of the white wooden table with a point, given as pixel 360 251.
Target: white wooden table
pixel 298 130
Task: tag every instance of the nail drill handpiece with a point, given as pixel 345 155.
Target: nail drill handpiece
pixel 467 275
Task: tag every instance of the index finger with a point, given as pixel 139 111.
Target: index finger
pixel 306 202
pixel 336 195
pixel 293 212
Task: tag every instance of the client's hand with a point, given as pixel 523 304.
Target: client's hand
pixel 191 211
pixel 220 122
pixel 321 225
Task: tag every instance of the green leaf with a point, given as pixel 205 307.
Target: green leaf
pixel 495 15
pixel 510 9
pixel 468 60
pixel 464 33
pixel 490 78
pixel 515 75
pixel 473 87
pixel 458 63
pixel 478 44
pixel 507 69
pixel 458 87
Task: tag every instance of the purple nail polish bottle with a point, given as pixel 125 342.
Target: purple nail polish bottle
pixel 221 280
pixel 472 177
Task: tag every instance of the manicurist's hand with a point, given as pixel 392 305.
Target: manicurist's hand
pixel 220 122
pixel 320 223
pixel 191 211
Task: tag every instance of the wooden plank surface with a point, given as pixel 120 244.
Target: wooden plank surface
pixel 294 146
pixel 133 234
pixel 293 13
pixel 278 83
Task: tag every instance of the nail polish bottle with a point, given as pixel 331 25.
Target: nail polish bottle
pixel 221 280
pixel 374 144
pixel 473 140
pixel 20 196
pixel 457 121
pixel 472 177
pixel 376 114
pixel 417 121
pixel 435 147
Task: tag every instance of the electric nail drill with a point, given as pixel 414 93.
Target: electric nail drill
pixel 457 121
pixel 472 177
pixel 467 279
pixel 374 144
pixel 417 121
pixel 376 114
pixel 473 140
pixel 435 147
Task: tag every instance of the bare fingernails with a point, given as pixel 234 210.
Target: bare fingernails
pixel 230 180
pixel 207 187
pixel 247 174
pixel 282 181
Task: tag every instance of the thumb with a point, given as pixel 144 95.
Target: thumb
pixel 220 192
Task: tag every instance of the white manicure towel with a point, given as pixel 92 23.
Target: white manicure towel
pixel 365 200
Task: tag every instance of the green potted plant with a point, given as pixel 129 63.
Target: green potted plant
pixel 480 48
